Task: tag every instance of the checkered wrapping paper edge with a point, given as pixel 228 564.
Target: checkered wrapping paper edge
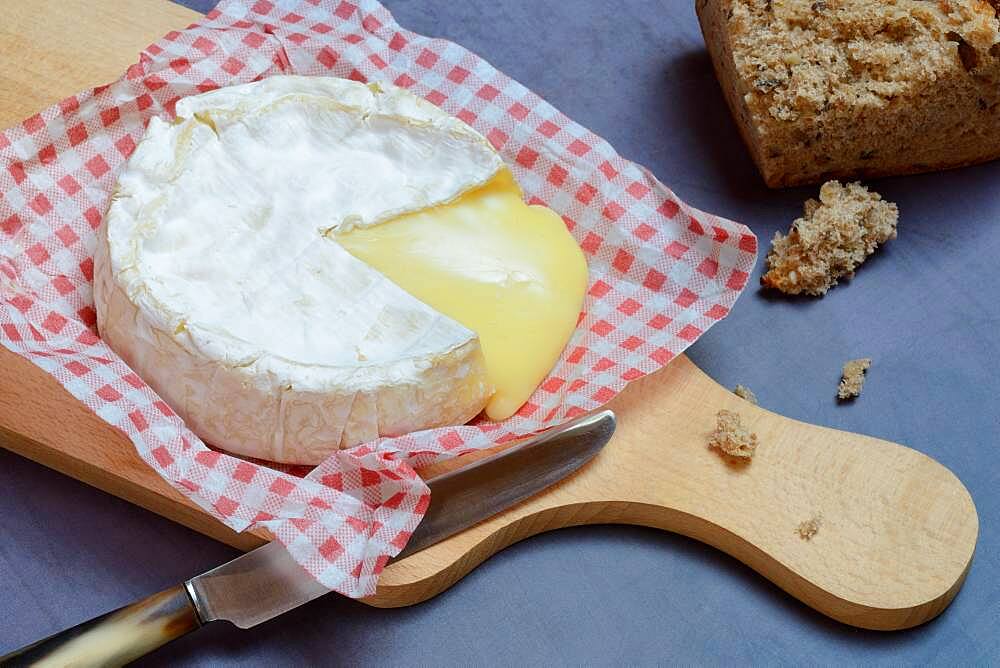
pixel 661 272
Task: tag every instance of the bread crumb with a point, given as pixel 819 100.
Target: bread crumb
pixel 809 528
pixel 744 392
pixel 853 378
pixel 731 437
pixel 836 234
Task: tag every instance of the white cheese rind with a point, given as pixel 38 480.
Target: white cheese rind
pixel 215 277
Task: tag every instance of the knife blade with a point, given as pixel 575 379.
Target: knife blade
pixel 267 581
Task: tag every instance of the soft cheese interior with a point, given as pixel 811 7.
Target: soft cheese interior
pixel 219 276
pixel 509 271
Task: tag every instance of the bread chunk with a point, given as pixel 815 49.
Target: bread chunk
pixel 846 89
pixel 831 240
pixel 731 437
pixel 853 378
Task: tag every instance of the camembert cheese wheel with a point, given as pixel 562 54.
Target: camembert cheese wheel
pixel 233 275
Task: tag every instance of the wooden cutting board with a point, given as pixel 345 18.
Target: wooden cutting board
pixel 897 530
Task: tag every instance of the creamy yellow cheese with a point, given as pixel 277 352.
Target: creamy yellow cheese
pixel 508 271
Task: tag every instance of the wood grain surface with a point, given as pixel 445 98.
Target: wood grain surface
pixel 897 531
pixel 50 49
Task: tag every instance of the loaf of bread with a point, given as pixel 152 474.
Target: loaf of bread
pixel 825 89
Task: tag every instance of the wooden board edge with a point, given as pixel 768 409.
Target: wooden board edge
pixel 171 505
pixel 674 521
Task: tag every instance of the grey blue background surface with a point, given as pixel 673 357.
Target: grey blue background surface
pixel 926 309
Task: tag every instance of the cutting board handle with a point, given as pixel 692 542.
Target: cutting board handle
pixel 869 532
pixel 896 530
pixel 117 637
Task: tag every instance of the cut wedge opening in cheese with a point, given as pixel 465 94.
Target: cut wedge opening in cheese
pixel 303 264
pixel 510 272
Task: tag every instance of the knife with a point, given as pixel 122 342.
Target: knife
pixel 267 582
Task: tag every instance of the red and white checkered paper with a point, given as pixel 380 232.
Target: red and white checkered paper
pixel 661 272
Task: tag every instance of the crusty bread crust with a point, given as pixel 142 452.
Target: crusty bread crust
pixel 712 17
pixel 848 89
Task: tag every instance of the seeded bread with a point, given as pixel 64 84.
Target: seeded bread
pixel 831 240
pixel 731 437
pixel 825 89
pixel 745 393
pixel 852 378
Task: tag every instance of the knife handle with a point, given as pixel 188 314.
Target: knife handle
pixel 115 638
